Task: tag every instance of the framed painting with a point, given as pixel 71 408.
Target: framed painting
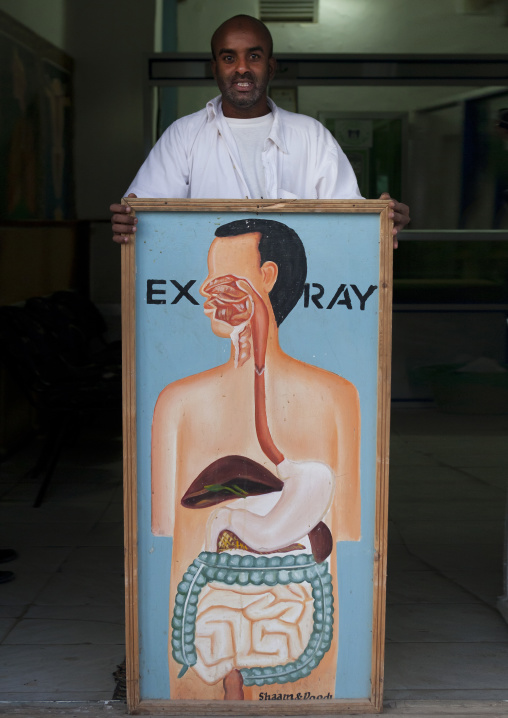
pixel 256 341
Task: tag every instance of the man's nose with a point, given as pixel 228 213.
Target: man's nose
pixel 242 64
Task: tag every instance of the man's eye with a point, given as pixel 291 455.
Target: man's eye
pixel 254 56
pixel 227 58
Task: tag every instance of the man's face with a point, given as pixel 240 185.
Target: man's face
pixel 233 256
pixel 242 69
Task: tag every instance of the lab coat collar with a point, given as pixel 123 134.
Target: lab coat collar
pixel 214 112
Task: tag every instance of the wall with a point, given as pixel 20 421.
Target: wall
pixel 365 26
pixel 107 41
pixel 195 36
pixel 109 123
pixel 46 18
pixel 355 26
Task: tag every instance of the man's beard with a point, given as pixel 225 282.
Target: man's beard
pixel 245 99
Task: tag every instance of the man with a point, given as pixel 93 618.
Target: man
pixel 241 145
pixel 284 417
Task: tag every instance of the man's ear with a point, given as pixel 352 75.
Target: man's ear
pixel 272 67
pixel 213 63
pixel 270 272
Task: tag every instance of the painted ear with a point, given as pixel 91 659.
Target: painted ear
pixel 270 272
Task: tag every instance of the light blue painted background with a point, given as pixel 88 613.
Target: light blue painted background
pixel 176 340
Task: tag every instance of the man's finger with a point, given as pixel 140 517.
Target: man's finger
pixel 120 239
pixel 123 228
pixel 399 214
pixel 401 220
pixel 117 207
pixel 123 223
pixel 123 219
pixel 120 208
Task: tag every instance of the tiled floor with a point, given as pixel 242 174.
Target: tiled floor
pixel 61 619
pixel 444 636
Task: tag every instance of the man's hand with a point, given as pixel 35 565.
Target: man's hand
pixel 400 215
pixel 122 222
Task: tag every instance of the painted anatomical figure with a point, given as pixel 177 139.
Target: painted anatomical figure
pixel 255 474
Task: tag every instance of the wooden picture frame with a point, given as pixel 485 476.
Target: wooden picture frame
pixel 193 410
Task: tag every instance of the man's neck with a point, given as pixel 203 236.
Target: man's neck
pixel 245 113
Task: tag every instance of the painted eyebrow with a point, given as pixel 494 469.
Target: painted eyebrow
pixel 225 51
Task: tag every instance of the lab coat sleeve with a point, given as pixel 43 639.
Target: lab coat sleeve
pixel 336 177
pixel 165 172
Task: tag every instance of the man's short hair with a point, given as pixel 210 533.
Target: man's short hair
pixel 279 244
pixel 255 21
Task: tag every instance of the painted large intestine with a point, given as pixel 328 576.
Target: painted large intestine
pixel 307 487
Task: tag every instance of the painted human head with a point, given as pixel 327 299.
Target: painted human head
pixel 280 245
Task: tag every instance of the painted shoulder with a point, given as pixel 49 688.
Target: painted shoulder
pixel 323 380
pixel 181 394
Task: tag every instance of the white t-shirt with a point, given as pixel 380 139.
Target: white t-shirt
pixel 197 157
pixel 250 137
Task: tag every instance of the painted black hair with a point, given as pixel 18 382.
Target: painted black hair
pixel 279 244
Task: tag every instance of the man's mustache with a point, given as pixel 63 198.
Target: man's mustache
pixel 246 76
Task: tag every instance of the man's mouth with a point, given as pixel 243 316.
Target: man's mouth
pixel 243 85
